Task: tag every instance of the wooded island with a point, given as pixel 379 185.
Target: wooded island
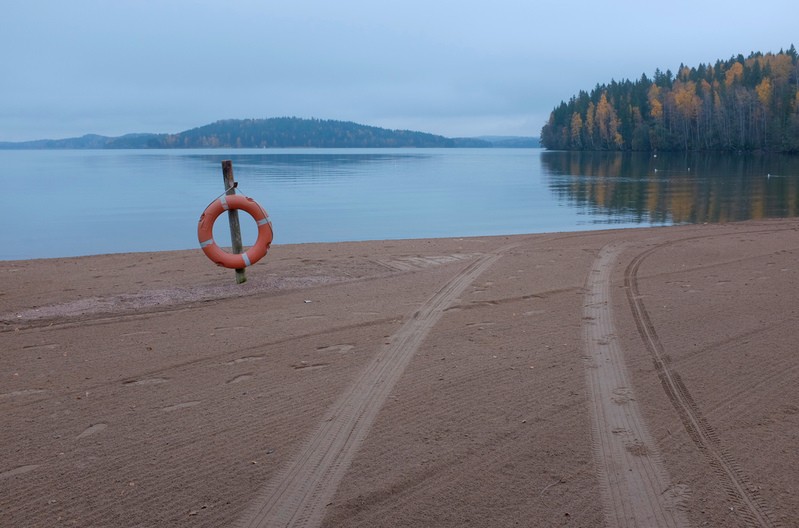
pixel 278 132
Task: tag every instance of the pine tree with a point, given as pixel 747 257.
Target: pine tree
pixel 747 103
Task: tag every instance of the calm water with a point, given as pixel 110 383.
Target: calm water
pixel 65 203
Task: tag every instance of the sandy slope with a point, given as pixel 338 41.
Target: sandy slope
pixel 608 378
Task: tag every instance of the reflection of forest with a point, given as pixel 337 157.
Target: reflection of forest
pixel 679 188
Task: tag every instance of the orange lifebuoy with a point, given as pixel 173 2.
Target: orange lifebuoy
pixel 205 231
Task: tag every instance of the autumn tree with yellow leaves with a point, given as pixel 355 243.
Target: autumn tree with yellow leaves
pixel 744 103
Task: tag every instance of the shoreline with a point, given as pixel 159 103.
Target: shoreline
pixel 448 380
pixel 607 227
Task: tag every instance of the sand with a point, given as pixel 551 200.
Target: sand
pixel 643 377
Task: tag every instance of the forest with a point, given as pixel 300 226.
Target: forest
pixel 284 132
pixel 276 132
pixel 741 104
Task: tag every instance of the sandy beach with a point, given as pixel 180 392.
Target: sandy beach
pixel 639 377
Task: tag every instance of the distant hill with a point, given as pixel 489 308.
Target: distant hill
pixel 284 132
pixel 89 141
pixel 280 132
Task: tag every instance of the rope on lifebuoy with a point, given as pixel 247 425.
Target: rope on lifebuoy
pixel 205 231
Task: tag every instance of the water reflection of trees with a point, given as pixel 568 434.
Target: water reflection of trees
pixel 313 165
pixel 679 188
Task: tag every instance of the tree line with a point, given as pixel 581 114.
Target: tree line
pixel 274 132
pixel 282 132
pixel 741 104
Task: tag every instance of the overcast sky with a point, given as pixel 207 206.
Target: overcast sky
pixel 450 67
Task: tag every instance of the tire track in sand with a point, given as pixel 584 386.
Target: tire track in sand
pixel 636 490
pixel 734 480
pixel 299 493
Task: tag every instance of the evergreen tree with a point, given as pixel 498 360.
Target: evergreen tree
pixel 744 103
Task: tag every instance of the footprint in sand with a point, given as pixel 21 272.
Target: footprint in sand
pixel 622 395
pixel 22 392
pixel 147 381
pixel 18 471
pixel 637 448
pixel 304 365
pixel 96 428
pixel 231 328
pixel 239 379
pixel 336 348
pixel 180 406
pixel 535 312
pixel 246 359
pixel 47 346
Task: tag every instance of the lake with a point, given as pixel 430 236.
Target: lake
pixel 78 202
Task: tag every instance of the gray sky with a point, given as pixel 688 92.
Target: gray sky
pixel 450 67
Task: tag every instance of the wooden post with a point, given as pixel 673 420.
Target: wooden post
pixel 233 217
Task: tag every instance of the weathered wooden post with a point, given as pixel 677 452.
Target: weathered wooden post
pixel 233 217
